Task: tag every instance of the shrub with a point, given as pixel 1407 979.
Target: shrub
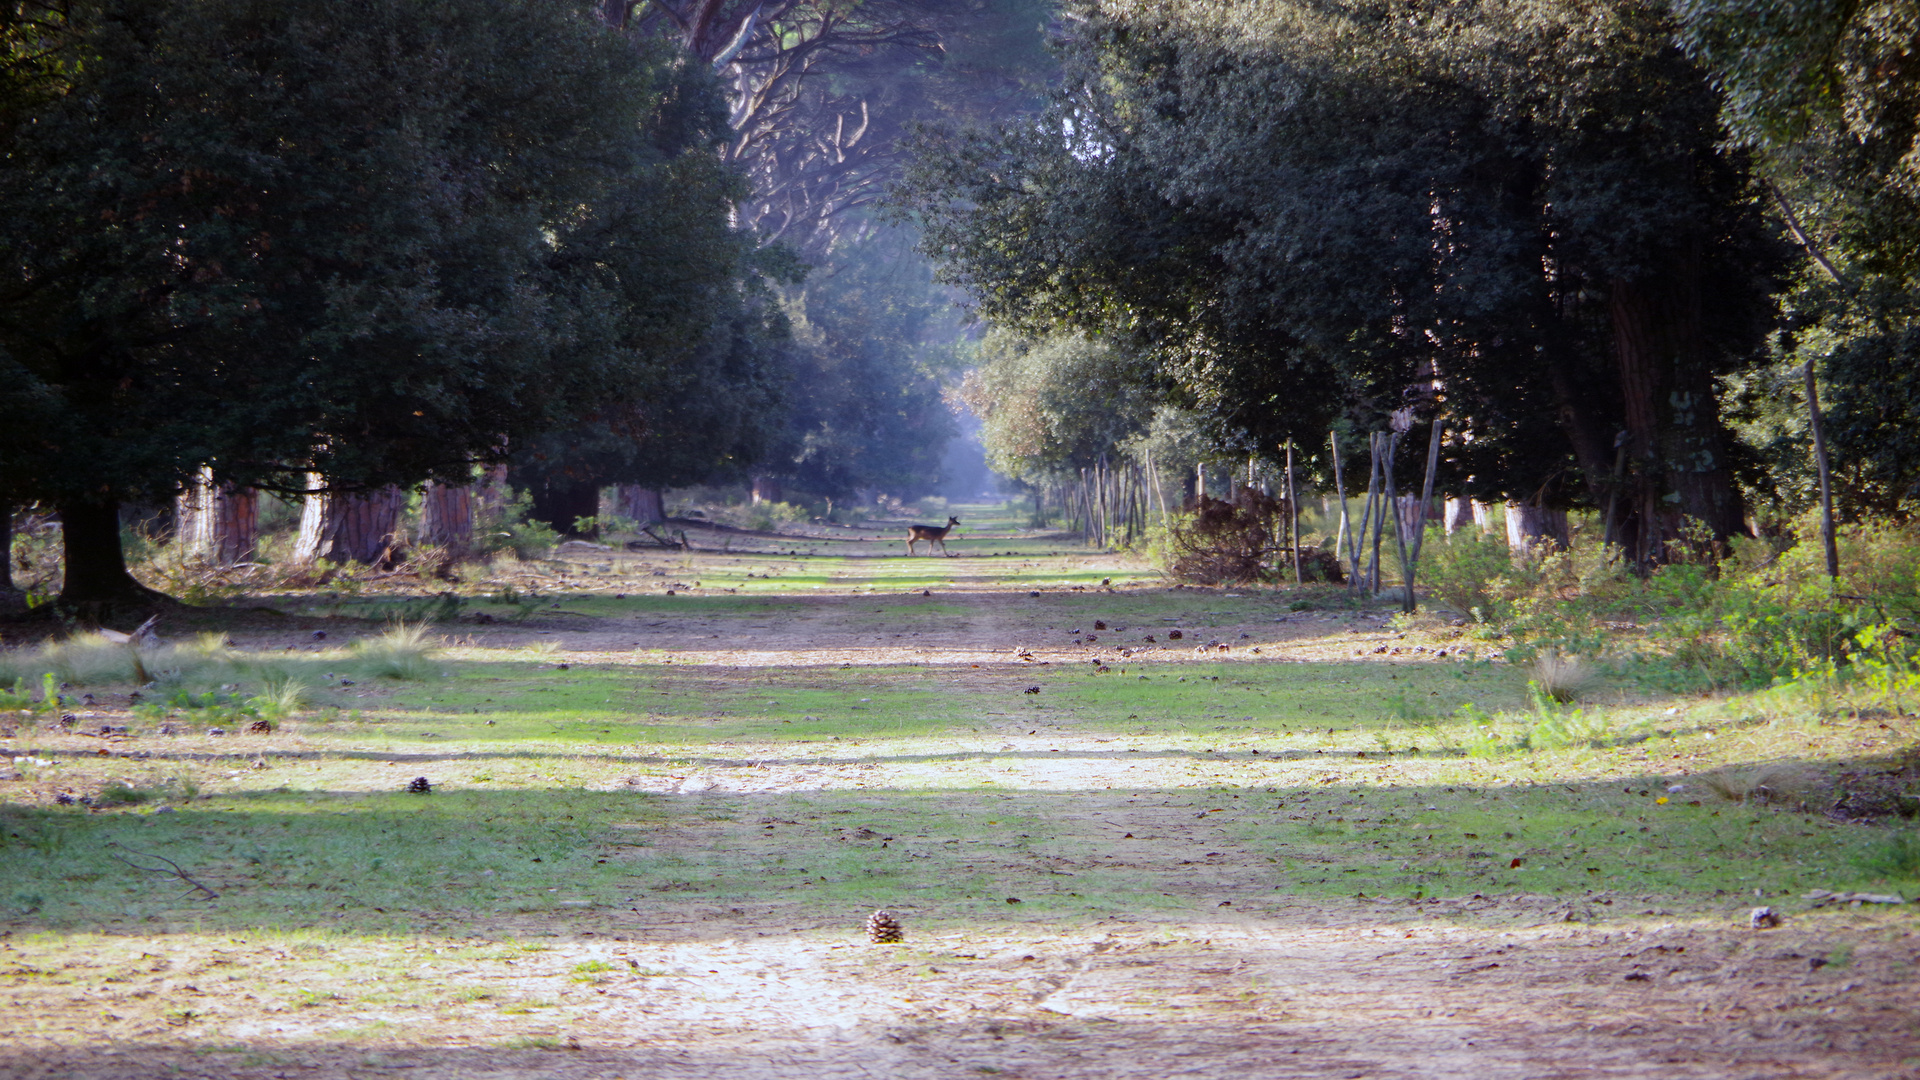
pixel 506 526
pixel 1216 542
pixel 1895 856
pixel 1467 572
pixel 769 516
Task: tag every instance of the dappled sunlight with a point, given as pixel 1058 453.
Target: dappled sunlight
pixel 653 826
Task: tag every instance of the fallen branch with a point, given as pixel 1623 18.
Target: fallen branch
pixel 174 868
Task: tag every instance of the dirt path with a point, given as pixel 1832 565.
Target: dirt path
pixel 1258 984
pixel 1302 993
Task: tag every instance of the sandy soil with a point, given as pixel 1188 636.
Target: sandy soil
pixel 1473 987
pixel 1308 992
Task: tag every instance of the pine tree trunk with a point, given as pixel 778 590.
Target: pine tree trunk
pixel 97 585
pixel 352 528
pixel 1483 517
pixel 6 548
pixel 561 503
pixel 1459 515
pixel 446 518
pixel 1530 524
pixel 215 522
pixel 1676 442
pixel 646 505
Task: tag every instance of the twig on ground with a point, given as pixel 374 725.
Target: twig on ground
pixel 175 867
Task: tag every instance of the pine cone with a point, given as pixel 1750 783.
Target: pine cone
pixel 884 929
pixel 260 727
pixel 420 786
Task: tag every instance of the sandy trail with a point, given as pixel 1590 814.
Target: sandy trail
pixel 1261 985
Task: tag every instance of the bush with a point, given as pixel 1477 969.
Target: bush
pixel 769 516
pixel 1468 572
pixel 507 526
pixel 1215 542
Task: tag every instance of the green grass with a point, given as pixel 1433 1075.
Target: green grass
pixel 462 861
pixel 1303 780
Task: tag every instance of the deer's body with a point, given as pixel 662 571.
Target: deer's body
pixel 932 534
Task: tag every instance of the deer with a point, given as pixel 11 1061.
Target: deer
pixel 932 534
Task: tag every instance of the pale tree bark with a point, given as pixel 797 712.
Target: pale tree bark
pixel 1529 525
pixel 1459 515
pixel 766 489
pixel 1483 517
pixel 645 505
pixel 446 518
pixel 361 528
pixel 216 522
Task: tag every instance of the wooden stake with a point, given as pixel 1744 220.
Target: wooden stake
pixel 1426 493
pixel 1293 514
pixel 1377 510
pixel 1340 488
pixel 1826 482
pixel 1399 524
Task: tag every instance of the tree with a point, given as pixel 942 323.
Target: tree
pixel 1826 92
pixel 286 237
pixel 1308 211
pixel 874 343
pixel 823 90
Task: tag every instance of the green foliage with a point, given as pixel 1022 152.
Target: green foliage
pixel 1763 613
pixel 287 237
pixel 1469 573
pixel 1054 405
pixel 18 698
pixel 769 516
pixel 507 525
pixel 1253 197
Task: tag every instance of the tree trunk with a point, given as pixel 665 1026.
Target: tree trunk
pixel 97 585
pixel 1675 440
pixel 1483 517
pixel 646 505
pixel 561 503
pixel 216 522
pixel 1458 515
pixel 352 528
pixel 6 547
pixel 446 518
pixel 766 489
pixel 1528 524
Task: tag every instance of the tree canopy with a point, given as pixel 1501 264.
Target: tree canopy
pixel 1308 211
pixel 374 241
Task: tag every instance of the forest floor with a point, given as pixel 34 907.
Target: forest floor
pixel 1300 837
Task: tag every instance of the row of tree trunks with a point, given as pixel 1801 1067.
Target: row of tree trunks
pixel 217 523
pixel 361 528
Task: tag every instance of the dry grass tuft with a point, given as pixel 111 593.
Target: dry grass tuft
pixel 1778 784
pixel 1561 677
pixel 403 652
